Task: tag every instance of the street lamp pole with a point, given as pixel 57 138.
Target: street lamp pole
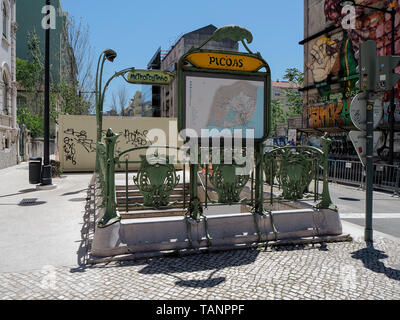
pixel 109 55
pixel 46 170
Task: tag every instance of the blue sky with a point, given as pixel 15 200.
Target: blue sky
pixel 135 29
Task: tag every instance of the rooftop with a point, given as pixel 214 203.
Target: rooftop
pixel 285 84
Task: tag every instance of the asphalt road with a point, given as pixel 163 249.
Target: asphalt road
pixel 351 204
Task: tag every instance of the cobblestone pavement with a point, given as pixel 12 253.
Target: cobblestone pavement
pixel 338 271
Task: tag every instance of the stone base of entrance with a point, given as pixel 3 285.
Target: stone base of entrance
pixel 150 236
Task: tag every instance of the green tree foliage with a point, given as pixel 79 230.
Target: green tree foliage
pixel 295 102
pixel 27 73
pixel 64 98
pixel 278 114
pixel 294 75
pixel 32 121
pixel 294 99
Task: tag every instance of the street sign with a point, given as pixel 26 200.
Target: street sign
pixel 225 61
pixel 358 111
pixel 149 77
pixel 359 140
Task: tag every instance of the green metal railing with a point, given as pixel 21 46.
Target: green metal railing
pixel 290 168
pixel 156 178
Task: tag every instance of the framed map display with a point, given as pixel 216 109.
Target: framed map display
pixel 224 101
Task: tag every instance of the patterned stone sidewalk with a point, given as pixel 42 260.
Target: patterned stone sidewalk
pixel 338 271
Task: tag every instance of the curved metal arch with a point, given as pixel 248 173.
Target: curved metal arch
pixel 117 157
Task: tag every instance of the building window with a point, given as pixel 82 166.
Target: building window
pixel 5 20
pixel 5 94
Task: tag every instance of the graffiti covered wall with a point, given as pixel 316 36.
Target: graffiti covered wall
pixel 330 60
pixel 77 138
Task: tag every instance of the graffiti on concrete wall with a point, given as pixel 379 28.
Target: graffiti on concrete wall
pixel 370 25
pixel 332 61
pixel 81 137
pixel 71 139
pixel 335 114
pixel 136 138
pixel 69 150
pixel 131 137
pixel 77 138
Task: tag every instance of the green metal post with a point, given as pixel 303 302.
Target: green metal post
pixel 369 171
pixel 110 216
pixel 326 202
pixel 259 197
pixel 271 172
pixel 194 200
pixel 126 185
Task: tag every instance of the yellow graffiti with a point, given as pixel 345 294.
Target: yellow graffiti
pixel 324 54
pixel 326 116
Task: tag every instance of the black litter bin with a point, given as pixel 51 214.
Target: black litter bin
pixel 35 170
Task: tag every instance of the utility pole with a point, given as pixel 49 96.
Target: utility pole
pixel 46 170
pixel 367 68
pixel 392 105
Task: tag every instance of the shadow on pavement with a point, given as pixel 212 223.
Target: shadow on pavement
pixel 73 192
pixel 87 227
pixel 206 283
pixel 19 192
pixel 201 262
pixel 370 258
pixel 77 199
pixel 349 199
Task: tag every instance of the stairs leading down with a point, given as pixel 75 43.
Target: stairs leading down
pixel 133 196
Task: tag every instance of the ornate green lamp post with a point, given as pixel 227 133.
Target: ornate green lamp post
pixel 106 168
pixel 109 55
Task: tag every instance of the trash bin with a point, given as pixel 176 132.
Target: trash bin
pixel 35 170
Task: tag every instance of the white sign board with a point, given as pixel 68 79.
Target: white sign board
pixel 359 140
pixel 224 103
pixel 358 111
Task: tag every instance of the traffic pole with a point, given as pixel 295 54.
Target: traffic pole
pixel 369 170
pixel 46 170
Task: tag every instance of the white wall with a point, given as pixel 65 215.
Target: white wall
pixel 8 68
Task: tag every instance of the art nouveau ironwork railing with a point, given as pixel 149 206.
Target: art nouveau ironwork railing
pixel 291 169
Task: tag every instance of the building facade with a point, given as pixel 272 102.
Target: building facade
pixel 9 131
pixel 62 60
pixel 330 74
pixel 152 94
pixel 169 102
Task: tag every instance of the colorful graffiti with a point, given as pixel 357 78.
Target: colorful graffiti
pixel 335 114
pixel 332 61
pixel 370 25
